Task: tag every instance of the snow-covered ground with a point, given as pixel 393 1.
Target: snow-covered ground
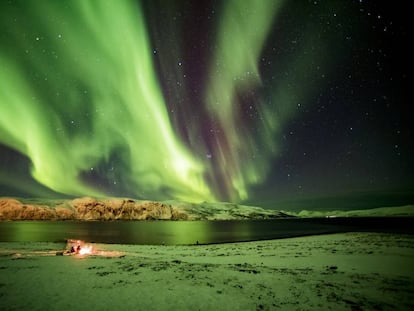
pixel 353 271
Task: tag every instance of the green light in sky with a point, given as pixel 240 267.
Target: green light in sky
pixel 78 89
pixel 244 157
pixel 94 91
pixel 241 35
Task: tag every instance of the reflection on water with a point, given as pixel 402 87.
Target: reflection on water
pixel 130 232
pixel 191 232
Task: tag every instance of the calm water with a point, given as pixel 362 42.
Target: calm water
pixel 191 232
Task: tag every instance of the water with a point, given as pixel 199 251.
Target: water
pixel 191 232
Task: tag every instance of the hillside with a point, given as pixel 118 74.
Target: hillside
pixel 394 211
pixel 126 209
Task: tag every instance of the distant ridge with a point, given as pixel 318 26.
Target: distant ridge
pixel 395 211
pixel 107 209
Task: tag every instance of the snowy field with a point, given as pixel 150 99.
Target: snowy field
pixel 352 271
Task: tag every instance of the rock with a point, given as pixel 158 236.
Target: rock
pixel 88 208
pixel 12 209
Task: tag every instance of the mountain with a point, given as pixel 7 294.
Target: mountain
pixel 127 209
pixel 394 211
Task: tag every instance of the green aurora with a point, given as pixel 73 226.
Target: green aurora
pixel 87 68
pixel 94 59
pixel 83 95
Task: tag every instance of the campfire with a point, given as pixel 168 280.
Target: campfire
pixel 86 250
pixel 79 247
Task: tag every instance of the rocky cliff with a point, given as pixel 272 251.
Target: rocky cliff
pixel 126 209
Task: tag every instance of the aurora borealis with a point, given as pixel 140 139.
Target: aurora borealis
pixel 243 101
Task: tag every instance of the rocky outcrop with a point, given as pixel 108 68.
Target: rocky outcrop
pixel 90 209
pixel 126 209
pixel 11 209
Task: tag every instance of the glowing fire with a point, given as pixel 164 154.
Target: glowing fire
pixel 79 247
pixel 85 250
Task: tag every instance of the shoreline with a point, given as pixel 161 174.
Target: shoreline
pixel 339 271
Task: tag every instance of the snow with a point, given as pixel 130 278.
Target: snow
pixel 352 271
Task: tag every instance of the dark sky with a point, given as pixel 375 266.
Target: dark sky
pixel 281 104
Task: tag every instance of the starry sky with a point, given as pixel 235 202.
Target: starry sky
pixel 280 104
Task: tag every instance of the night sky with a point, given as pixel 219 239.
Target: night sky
pixel 280 104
